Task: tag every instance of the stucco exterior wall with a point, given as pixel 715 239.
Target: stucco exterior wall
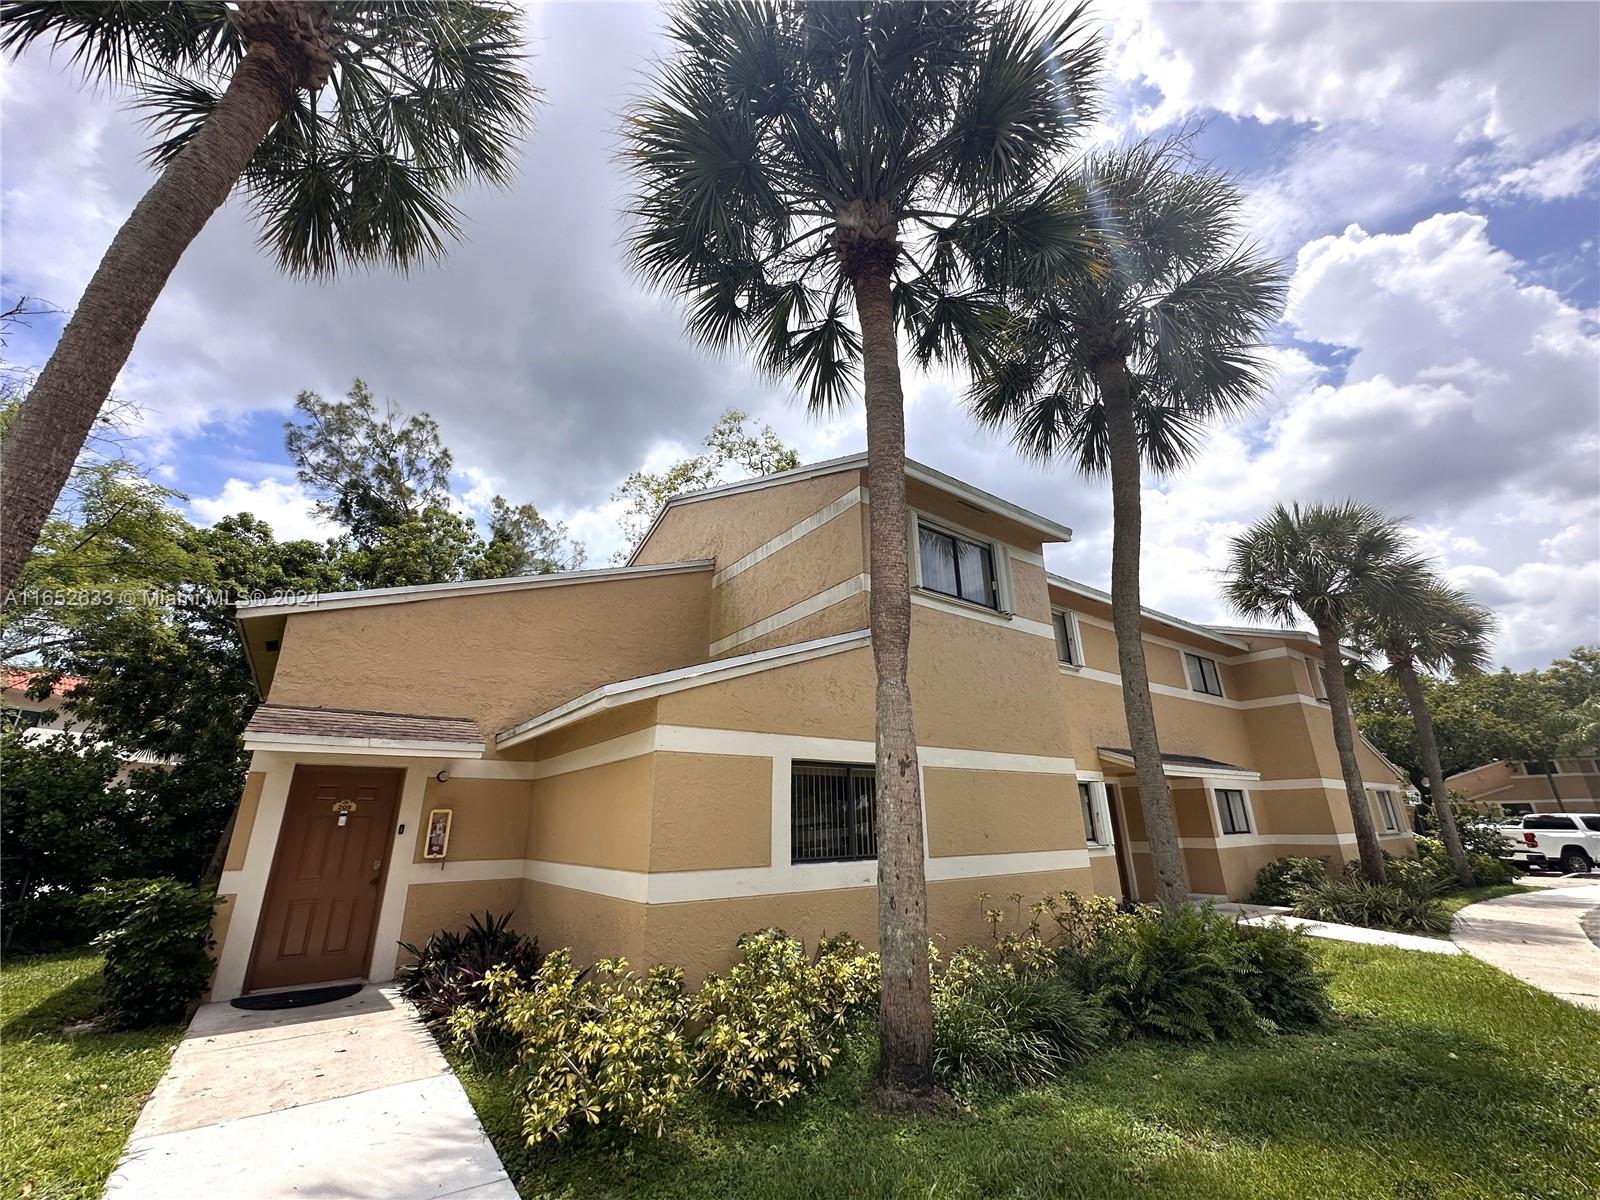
pixel 728 527
pixel 598 817
pixel 497 657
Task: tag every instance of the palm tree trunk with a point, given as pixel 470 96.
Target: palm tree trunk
pixel 905 1012
pixel 1344 738
pixel 1550 780
pixel 65 400
pixel 1423 720
pixel 1160 823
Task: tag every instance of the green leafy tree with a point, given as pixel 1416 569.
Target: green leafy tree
pixel 1329 563
pixel 521 542
pixel 1435 628
pixel 812 179
pixel 368 470
pixel 732 451
pixel 1118 364
pixel 350 124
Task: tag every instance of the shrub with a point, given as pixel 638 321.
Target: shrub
pixel 1280 879
pixel 1354 901
pixel 1487 869
pixel 449 969
pixel 1173 975
pixel 1280 976
pixel 777 1020
pixel 600 1048
pixel 1429 873
pixel 155 934
pixel 996 1026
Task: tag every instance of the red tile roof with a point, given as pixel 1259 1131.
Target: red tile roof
pixel 19 679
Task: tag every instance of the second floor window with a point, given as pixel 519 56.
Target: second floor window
pixel 1386 809
pixel 1203 675
pixel 957 566
pixel 1066 643
pixel 1092 833
pixel 832 813
pixel 1232 813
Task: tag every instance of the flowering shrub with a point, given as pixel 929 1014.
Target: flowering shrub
pixel 601 1048
pixel 776 1021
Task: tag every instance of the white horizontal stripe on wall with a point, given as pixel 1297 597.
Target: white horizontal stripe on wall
pixel 1165 689
pixel 977 612
pixel 1271 839
pixel 795 612
pixel 856 495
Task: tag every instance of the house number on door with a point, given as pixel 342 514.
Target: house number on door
pixel 344 808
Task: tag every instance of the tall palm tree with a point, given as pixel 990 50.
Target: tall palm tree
pixel 349 123
pixel 1331 563
pixel 793 162
pixel 1123 361
pixel 1438 628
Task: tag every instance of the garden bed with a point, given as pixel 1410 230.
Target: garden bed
pixel 1420 1087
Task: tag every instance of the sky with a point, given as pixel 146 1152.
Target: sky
pixel 1430 173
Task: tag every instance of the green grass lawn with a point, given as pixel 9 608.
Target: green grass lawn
pixel 67 1101
pixel 1454 902
pixel 1441 1077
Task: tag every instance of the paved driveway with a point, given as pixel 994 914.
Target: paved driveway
pixel 1540 937
pixel 344 1101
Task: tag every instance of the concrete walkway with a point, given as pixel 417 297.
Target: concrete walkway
pixel 1540 938
pixel 343 1101
pixel 1267 914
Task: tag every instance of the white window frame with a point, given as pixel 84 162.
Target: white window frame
pixel 1388 814
pixel 1100 807
pixel 1073 636
pixel 1216 669
pixel 1249 811
pixel 999 554
pixel 1319 679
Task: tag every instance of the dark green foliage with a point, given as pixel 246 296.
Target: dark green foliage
pixel 155 934
pixel 1279 974
pixel 62 819
pixel 996 1027
pixel 1280 879
pixel 448 968
pixel 1409 907
pixel 1171 975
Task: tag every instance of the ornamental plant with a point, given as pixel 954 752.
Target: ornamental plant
pixel 156 938
pixel 777 1020
pixel 600 1049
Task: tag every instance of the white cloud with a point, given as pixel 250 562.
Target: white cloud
pixel 283 506
pixel 1557 176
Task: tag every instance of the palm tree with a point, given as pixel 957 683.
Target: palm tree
pixel 1123 362
pixel 1443 630
pixel 1331 563
pixel 349 123
pixel 795 161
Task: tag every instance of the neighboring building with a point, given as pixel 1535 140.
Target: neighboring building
pixel 650 760
pixel 48 717
pixel 1526 785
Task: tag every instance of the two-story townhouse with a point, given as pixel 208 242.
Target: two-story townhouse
pixel 1529 785
pixel 650 760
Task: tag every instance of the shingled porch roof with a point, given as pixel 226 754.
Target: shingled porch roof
pixel 290 726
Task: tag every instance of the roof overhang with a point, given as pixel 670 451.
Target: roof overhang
pixel 1048 530
pixel 360 731
pixel 1211 633
pixel 1184 766
pixel 648 687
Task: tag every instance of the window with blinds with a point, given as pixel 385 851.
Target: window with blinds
pixel 832 813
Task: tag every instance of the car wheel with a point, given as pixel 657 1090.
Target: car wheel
pixel 1575 862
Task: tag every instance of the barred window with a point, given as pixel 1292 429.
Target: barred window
pixel 1231 809
pixel 832 812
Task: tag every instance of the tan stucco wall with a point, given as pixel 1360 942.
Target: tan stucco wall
pixel 942 506
pixel 431 907
pixel 598 817
pixel 726 528
pixel 847 616
pixel 244 820
pixel 592 926
pixel 499 657
pixel 711 812
pixel 489 818
pixel 999 812
pixel 823 558
pixel 629 718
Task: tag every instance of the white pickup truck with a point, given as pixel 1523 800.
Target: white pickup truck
pixel 1570 841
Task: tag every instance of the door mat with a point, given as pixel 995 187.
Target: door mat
pixel 304 998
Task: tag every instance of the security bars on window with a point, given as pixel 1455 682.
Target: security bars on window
pixel 832 813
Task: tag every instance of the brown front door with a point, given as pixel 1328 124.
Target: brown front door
pixel 322 896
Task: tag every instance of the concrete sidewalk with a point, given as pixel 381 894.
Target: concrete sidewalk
pixel 1540 938
pixel 343 1101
